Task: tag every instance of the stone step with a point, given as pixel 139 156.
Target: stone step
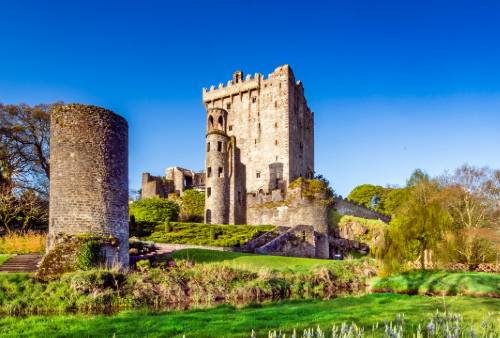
pixel 21 263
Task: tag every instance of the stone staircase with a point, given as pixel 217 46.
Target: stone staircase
pixel 263 239
pixel 21 263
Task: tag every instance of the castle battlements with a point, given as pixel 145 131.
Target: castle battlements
pixel 240 84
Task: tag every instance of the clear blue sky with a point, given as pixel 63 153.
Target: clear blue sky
pixel 395 85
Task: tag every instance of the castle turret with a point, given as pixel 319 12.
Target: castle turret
pixel 217 181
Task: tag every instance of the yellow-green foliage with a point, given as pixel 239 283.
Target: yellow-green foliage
pixel 207 234
pixel 154 210
pixel 313 188
pixel 22 243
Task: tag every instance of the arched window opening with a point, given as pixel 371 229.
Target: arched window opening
pixel 209 192
pixel 209 172
pixel 208 147
pixel 208 216
pixel 219 146
pixel 211 121
pixel 221 122
pixel 220 173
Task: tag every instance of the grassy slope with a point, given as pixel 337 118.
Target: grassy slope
pixel 252 262
pixel 440 282
pixel 226 321
pixel 4 258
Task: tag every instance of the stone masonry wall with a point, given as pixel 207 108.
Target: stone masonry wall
pixel 89 177
pixel 345 207
pixel 273 132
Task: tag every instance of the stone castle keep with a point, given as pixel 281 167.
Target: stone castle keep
pixel 260 137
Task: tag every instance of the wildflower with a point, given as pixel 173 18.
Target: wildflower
pixel 431 327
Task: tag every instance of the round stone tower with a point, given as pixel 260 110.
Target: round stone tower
pixel 89 178
pixel 216 165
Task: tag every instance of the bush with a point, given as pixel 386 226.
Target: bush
pixel 89 256
pixel 143 264
pixel 23 243
pixel 154 210
pixel 192 206
pixel 207 234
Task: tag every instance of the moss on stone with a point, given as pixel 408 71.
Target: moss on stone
pixel 64 255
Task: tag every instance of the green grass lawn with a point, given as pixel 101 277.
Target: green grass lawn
pixel 226 321
pixel 252 262
pixel 440 282
pixel 4 258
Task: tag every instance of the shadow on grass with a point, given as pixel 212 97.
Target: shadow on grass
pixel 441 283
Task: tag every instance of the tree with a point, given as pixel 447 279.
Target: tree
pixel 394 199
pixel 471 196
pixel 154 210
pixel 475 197
pixel 418 226
pixel 364 194
pixel 21 212
pixel 416 177
pixel 24 154
pixel 192 205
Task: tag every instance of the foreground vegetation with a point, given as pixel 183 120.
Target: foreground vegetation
pixel 22 243
pixel 224 321
pixel 176 286
pixel 440 283
pixel 257 263
pixel 4 258
pixel 206 234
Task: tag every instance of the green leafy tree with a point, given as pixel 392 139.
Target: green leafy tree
pixel 393 199
pixel 416 177
pixel 192 205
pixel 154 210
pixel 418 227
pixel 365 193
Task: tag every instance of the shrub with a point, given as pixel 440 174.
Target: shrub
pixel 192 205
pixel 89 256
pixel 154 210
pixel 143 264
pixel 207 234
pixel 23 243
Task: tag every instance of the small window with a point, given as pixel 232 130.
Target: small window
pixel 255 141
pixel 239 197
pixel 275 124
pixel 275 142
pixel 276 158
pixel 209 172
pixel 301 146
pixel 275 104
pixel 220 172
pixel 257 174
pixel 209 191
pixel 228 105
pixel 208 147
pixel 230 128
pixel 258 125
pixel 219 146
pixel 254 99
